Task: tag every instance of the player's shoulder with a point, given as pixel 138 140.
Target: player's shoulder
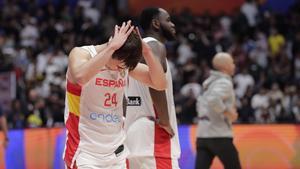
pixel 78 52
pixel 87 50
pixel 224 82
pixel 154 43
pixel 152 40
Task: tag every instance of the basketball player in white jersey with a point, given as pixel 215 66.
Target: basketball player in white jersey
pixel 151 113
pixel 96 80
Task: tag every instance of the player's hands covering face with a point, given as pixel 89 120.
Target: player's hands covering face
pixel 120 35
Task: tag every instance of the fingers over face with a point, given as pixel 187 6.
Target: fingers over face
pixel 123 25
pixel 138 32
pixel 130 30
pixel 126 27
pixel 116 30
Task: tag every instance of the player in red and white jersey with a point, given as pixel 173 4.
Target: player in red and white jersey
pixel 96 80
pixel 152 135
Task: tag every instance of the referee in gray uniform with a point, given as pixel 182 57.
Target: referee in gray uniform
pixel 216 112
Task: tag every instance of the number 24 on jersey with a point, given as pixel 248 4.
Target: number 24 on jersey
pixel 110 99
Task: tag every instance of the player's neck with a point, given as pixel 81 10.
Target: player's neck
pixel 155 35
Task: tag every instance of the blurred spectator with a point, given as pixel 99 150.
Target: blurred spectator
pixel 290 98
pixel 276 42
pixel 276 110
pixel 188 113
pixel 259 54
pixel 297 67
pixel 260 104
pixel 264 115
pixel 29 34
pixel 249 9
pixel 192 87
pixel 243 81
pixel 275 94
pixel 260 100
pixel 225 22
pixel 89 10
pixel 34 119
pixel 16 117
pixel 185 52
pixel 296 111
pixel 245 112
pixel 189 92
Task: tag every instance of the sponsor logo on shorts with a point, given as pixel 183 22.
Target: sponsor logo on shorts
pixel 134 101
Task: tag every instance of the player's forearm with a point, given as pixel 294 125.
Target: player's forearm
pixel 160 103
pixel 83 73
pixel 215 104
pixel 156 72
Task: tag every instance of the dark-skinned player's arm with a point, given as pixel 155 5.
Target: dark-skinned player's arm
pixel 124 104
pixel 158 64
pixel 151 73
pixel 159 98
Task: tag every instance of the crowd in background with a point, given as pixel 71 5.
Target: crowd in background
pixel 35 39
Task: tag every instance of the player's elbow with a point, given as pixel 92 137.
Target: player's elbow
pixel 160 85
pixel 80 79
pixel 76 73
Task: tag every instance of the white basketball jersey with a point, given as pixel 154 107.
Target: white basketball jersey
pixel 144 137
pixel 94 114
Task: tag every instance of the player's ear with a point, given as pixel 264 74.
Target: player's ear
pixel 155 23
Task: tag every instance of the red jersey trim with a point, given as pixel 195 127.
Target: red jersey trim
pixel 73 88
pixel 72 138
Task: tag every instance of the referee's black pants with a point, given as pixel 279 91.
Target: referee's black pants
pixel 208 148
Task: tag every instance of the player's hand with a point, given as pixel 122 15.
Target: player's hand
pixel 232 115
pixel 168 129
pixel 120 35
pixel 146 49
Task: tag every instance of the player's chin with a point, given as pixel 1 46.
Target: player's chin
pixel 173 38
pixel 174 32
